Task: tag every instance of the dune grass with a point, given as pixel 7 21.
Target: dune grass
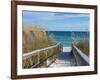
pixel 33 39
pixel 83 45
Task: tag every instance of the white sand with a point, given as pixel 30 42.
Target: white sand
pixel 67 49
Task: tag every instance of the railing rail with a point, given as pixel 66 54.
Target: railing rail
pixel 28 55
pixel 39 51
pixel 80 57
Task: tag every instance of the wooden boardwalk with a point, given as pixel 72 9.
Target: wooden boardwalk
pixel 70 56
pixel 64 59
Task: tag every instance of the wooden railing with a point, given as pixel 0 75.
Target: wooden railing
pixel 80 57
pixel 41 57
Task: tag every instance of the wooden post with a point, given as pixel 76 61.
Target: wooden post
pixel 48 58
pixel 38 58
pixel 45 52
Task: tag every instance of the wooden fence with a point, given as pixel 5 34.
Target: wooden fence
pixel 80 57
pixel 41 57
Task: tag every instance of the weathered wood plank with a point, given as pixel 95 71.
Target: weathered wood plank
pixel 80 57
pixel 35 52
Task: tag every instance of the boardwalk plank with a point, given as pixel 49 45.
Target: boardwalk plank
pixel 64 59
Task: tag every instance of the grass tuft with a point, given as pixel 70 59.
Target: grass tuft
pixel 37 38
pixel 83 45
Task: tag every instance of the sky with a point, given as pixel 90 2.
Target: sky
pixel 57 21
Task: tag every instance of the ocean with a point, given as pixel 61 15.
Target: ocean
pixel 66 37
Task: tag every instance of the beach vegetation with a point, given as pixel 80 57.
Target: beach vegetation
pixel 36 38
pixel 82 44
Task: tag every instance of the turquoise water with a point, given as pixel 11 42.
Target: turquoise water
pixel 66 37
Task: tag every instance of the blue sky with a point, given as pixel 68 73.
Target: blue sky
pixel 57 21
